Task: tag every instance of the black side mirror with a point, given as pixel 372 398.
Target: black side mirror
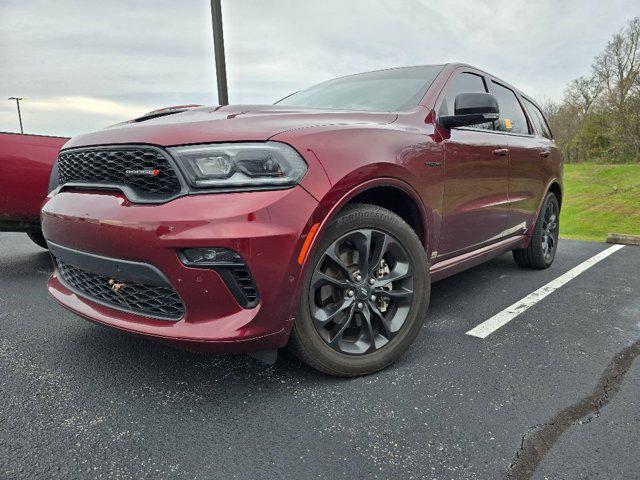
pixel 471 109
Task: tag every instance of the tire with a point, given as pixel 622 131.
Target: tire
pixel 37 238
pixel 376 329
pixel 544 240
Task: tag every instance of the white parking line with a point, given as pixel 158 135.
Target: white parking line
pixel 487 327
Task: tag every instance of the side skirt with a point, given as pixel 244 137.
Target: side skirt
pixel 454 265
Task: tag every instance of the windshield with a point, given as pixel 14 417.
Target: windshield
pixel 384 90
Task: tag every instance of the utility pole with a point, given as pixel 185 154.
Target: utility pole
pixel 17 99
pixel 218 48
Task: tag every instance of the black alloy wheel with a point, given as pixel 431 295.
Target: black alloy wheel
pixel 37 238
pixel 365 293
pixel 550 231
pixel 361 291
pixel 543 245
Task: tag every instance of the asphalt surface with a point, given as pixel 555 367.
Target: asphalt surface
pixel 553 394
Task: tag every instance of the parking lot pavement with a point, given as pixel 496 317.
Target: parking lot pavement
pixel 551 394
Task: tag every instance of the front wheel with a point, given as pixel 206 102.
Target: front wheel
pixel 544 239
pixel 37 238
pixel 365 294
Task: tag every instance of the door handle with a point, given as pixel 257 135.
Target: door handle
pixel 545 153
pixel 501 152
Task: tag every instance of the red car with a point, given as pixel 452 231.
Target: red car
pixel 318 222
pixel 25 169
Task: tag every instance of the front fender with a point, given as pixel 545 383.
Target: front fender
pixel 358 158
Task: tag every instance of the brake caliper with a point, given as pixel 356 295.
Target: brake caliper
pixel 382 271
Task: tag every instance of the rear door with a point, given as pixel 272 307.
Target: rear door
pixel 476 188
pixel 546 160
pixel 529 165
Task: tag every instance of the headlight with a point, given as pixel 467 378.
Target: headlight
pixel 236 165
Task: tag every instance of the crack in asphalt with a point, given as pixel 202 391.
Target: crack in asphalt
pixel 534 447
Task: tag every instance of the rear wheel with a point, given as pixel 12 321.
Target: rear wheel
pixel 37 238
pixel 544 239
pixel 365 294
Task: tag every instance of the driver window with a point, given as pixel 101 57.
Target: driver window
pixel 463 83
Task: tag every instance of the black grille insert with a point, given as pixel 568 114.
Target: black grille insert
pixel 145 170
pixel 150 300
pixel 244 281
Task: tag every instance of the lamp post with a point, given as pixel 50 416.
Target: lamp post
pixel 17 99
pixel 218 48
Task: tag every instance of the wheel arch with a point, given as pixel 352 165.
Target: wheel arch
pixel 392 193
pixel 556 189
pixel 396 200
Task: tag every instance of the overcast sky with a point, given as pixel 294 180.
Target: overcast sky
pixel 87 64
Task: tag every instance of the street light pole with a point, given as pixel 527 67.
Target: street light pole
pixel 218 48
pixel 17 99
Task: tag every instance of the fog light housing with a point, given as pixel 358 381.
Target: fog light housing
pixel 209 257
pixel 230 266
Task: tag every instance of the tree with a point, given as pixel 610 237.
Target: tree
pixel 617 70
pixel 580 98
pixel 599 115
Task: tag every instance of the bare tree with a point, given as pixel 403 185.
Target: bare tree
pixel 617 69
pixel 599 115
pixel 580 99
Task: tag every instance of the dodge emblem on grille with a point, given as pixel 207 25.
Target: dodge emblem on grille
pixel 148 171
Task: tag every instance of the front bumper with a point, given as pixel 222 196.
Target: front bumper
pixel 265 228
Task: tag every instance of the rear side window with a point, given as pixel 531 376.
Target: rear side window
pixel 512 117
pixel 463 83
pixel 538 119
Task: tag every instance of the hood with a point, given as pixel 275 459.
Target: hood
pixel 226 124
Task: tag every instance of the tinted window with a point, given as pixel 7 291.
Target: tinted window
pixel 538 119
pixel 384 90
pixel 512 117
pixel 463 83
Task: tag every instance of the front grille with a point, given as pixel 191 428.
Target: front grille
pixel 143 169
pixel 151 300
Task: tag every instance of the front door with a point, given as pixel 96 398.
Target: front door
pixel 476 185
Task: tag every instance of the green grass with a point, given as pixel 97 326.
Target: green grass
pixel 600 199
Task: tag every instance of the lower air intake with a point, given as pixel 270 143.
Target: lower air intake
pixel 149 300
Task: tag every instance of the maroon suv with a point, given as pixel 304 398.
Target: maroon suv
pixel 318 222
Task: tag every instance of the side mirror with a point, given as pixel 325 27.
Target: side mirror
pixel 471 109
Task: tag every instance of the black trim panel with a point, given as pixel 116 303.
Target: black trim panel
pixel 110 267
pixel 233 274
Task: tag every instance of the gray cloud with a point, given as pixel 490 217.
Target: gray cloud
pixel 85 65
